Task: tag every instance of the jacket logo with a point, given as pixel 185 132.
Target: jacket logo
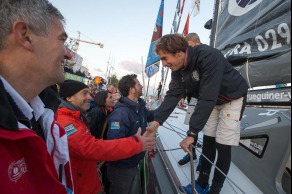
pixel 196 76
pixel 16 170
pixel 241 7
pixel 70 129
pixel 115 125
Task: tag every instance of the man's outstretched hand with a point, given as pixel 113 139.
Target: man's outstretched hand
pixel 152 130
pixel 148 142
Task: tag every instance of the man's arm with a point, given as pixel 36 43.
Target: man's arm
pixel 83 145
pixel 173 96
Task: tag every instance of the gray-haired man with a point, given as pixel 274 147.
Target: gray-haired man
pixel 33 148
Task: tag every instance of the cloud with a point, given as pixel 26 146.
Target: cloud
pixel 131 66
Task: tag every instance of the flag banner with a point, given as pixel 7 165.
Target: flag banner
pixel 255 36
pixel 186 29
pixel 152 64
pixel 175 23
pixel 182 7
pixel 196 7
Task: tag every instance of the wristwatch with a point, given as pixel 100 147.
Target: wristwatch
pixel 192 134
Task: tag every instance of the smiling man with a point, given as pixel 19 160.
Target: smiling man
pixel 33 148
pixel 129 115
pixel 221 91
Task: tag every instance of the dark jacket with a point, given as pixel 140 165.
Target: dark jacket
pixel 210 78
pixel 98 122
pixel 125 121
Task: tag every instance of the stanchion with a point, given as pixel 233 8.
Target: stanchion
pixel 192 171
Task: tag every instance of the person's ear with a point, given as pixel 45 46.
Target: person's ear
pixel 180 54
pixel 69 99
pixel 23 34
pixel 132 90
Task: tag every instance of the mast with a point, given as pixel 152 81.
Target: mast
pixel 215 23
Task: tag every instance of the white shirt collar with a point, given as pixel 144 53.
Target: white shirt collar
pixel 37 106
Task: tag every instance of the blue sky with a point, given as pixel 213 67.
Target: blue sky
pixel 125 28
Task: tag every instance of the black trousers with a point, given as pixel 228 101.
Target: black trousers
pixel 121 179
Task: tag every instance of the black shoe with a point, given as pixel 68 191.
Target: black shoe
pixel 186 160
pixel 216 188
pixel 199 165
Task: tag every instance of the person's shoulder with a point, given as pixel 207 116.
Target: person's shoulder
pixel 119 113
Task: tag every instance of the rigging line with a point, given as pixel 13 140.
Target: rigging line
pixel 168 170
pixel 213 164
pixel 206 159
pixel 289 118
pixel 247 74
pixel 173 156
pixel 230 184
pixel 170 150
pixel 199 139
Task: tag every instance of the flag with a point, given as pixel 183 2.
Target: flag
pixel 175 23
pixel 152 64
pixel 196 7
pixel 182 7
pixel 195 10
pixel 186 29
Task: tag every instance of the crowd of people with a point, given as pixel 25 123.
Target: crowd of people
pixel 69 69
pixel 57 141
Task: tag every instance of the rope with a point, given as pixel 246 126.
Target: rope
pixel 227 178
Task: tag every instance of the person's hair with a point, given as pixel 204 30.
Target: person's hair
pixel 126 83
pixel 194 37
pixel 171 43
pixel 37 14
pixel 100 98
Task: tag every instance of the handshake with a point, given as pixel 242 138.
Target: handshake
pixel 149 137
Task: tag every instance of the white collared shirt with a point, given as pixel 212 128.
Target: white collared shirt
pixel 36 106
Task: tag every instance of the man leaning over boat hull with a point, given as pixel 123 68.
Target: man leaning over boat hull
pixel 221 92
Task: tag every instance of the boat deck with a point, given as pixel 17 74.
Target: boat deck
pixel 170 141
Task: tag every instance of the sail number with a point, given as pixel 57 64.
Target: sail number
pixel 283 31
pixel 272 39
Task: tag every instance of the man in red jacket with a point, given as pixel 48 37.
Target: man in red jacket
pixel 34 156
pixel 84 149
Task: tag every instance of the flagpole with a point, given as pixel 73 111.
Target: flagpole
pixel 148 87
pixel 214 24
pixel 143 77
pixel 181 12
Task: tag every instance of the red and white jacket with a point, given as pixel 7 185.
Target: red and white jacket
pixel 30 164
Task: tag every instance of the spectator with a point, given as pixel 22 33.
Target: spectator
pixel 112 89
pixel 103 102
pixel 33 148
pixel 159 89
pixel 84 149
pixel 103 106
pixel 129 115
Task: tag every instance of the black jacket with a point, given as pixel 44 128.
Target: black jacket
pixel 98 120
pixel 210 78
